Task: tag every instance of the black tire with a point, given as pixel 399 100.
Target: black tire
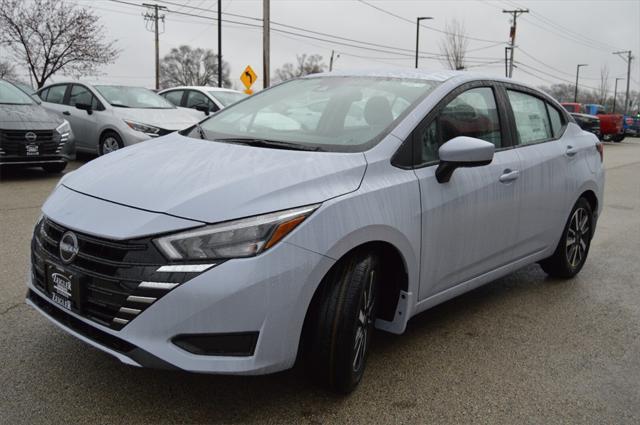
pixel 337 327
pixel 55 167
pixel 107 142
pixel 618 138
pixel 569 257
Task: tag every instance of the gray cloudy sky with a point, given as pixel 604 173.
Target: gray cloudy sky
pixel 552 39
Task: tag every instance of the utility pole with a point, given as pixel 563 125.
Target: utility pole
pixel 422 18
pixel 154 17
pixel 331 61
pixel 219 43
pixel 629 58
pixel 512 33
pixel 506 61
pixel 615 95
pixel 266 57
pixel 575 93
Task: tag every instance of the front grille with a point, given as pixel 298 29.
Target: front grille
pixel 14 142
pixel 117 280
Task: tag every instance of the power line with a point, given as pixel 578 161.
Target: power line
pixel 551 67
pixel 425 26
pixel 561 28
pixel 380 48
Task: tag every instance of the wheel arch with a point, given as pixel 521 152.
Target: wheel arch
pixel 395 278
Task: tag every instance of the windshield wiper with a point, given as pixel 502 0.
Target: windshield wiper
pixel 274 144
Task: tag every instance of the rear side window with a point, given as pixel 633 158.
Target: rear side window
pixel 532 121
pixel 174 96
pixel 556 121
pixel 55 94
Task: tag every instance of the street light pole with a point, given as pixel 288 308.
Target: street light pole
pixel 615 94
pixel 575 95
pixel 219 43
pixel 422 18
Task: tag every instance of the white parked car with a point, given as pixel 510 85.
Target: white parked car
pixel 202 100
pixel 105 118
pixel 261 235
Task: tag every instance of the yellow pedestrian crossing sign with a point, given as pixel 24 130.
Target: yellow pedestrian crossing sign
pixel 248 77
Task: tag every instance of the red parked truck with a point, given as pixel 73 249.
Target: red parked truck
pixel 611 125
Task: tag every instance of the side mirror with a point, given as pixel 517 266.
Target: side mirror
pixel 462 151
pixel 85 107
pixel 203 108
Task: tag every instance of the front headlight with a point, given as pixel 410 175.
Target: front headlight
pixel 64 130
pixel 234 239
pixel 149 130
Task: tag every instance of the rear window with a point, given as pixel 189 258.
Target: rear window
pixel 532 121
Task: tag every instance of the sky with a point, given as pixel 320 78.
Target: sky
pixel 551 39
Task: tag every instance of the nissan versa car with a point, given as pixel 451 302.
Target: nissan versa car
pixel 201 100
pixel 31 136
pixel 247 241
pixel 105 118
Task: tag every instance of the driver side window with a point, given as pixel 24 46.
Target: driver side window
pixel 473 113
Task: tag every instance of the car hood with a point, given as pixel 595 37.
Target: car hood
pixel 585 116
pixel 213 181
pixel 27 117
pixel 168 119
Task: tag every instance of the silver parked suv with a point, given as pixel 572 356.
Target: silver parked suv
pixel 105 118
pixel 294 222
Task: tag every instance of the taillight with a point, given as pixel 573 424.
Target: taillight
pixel 600 148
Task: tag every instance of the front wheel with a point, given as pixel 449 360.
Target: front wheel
pixel 571 252
pixel 342 323
pixel 110 142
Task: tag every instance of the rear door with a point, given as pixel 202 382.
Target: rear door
pixel 53 99
pixel 469 224
pixel 546 155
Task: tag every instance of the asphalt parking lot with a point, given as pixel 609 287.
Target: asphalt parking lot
pixel 523 349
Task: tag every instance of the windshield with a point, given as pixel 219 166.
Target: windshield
pixel 11 95
pixel 344 114
pixel 227 97
pixel 133 97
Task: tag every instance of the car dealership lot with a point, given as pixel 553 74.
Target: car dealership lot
pixel 524 348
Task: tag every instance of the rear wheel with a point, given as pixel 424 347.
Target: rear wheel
pixel 571 252
pixel 110 142
pixel 342 323
pixel 55 167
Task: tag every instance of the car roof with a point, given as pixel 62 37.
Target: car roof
pixel 411 73
pixel 206 88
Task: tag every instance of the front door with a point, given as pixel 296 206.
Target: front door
pixel 469 224
pixel 83 123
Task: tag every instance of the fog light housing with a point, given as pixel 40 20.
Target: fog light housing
pixel 239 344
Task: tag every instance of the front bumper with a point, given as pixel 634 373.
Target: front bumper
pixel 268 294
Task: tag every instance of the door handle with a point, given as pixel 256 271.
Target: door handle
pixel 509 175
pixel 571 151
pixel 66 113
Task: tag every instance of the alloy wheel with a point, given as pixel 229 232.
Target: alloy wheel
pixel 109 145
pixel 578 235
pixel 364 324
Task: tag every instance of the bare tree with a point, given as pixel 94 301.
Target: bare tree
pixel 603 89
pixel 305 65
pixel 185 66
pixel 7 71
pixel 51 36
pixel 454 45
